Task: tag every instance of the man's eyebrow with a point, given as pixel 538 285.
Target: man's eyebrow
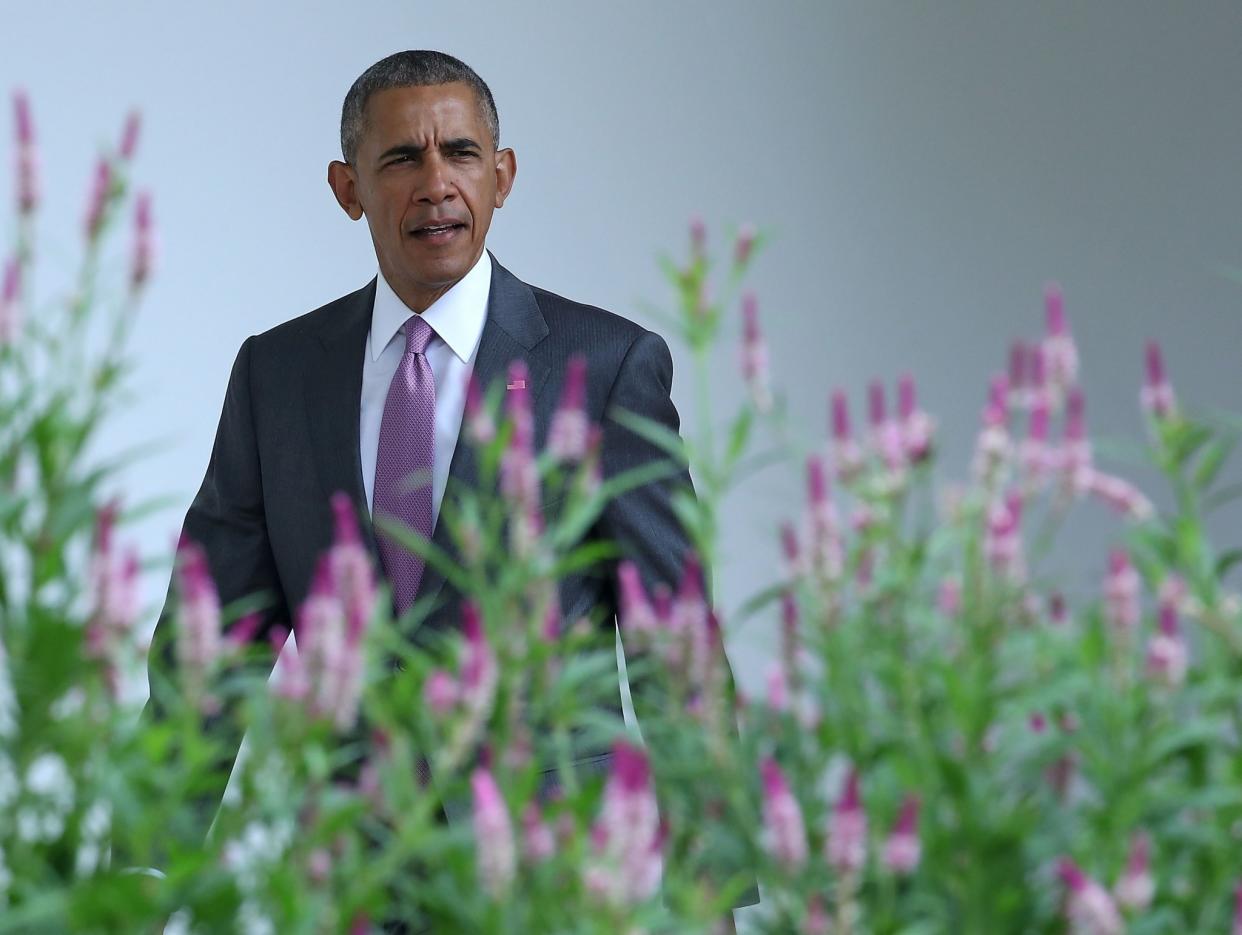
pixel 413 149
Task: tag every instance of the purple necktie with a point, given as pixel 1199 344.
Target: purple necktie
pixel 404 461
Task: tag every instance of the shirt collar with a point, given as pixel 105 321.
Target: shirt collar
pixel 457 317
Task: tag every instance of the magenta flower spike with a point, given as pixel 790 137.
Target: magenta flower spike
pixel 129 136
pixel 1088 906
pixel 480 428
pixel 1076 457
pixel 846 843
pixel 495 850
pixel 847 456
pixel 745 244
pixel 1076 416
pixel 567 435
pixel 97 203
pixel 1136 887
pixel 1118 494
pixel 637 615
pixel 1157 397
pixel 784 833
pixel 903 850
pixel 1037 456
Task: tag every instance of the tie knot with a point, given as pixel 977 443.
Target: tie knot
pixel 417 335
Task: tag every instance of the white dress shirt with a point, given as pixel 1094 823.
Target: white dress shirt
pixel 457 319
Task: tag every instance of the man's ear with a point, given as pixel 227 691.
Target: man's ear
pixel 344 183
pixel 506 171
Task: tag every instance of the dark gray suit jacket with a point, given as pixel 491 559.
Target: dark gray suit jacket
pixel 288 439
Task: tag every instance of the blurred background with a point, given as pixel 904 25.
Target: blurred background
pixel 922 170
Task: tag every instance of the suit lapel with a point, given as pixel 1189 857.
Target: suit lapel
pixel 333 393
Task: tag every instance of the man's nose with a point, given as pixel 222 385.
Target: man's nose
pixel 436 184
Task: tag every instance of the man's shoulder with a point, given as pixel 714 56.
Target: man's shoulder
pixel 328 317
pixel 569 317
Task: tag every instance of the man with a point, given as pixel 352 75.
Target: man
pixel 359 393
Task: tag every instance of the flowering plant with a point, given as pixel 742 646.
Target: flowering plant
pixel 945 741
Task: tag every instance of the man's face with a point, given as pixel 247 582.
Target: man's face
pixel 427 177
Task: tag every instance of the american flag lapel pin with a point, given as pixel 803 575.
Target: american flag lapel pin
pixel 516 385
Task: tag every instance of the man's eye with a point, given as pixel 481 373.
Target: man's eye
pixel 464 152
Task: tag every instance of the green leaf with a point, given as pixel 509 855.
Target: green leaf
pixel 655 432
pixel 1213 459
pixel 1227 561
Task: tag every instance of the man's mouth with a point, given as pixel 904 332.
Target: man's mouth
pixel 438 231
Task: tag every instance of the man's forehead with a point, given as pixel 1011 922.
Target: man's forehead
pixel 427 108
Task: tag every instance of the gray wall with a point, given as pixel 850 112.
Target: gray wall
pixel 924 169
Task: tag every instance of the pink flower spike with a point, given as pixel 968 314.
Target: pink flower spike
pixel 243 632
pixel 22 118
pixel 1075 416
pixel 840 417
pixel 144 242
pixel 1090 909
pixel 875 403
pixel 352 573
pixel 784 834
pixel 27 160
pixel 441 693
pixel 698 235
pixel 907 401
pixel 567 435
pixel 637 615
pixel 846 843
pixel 1122 589
pixel 745 244
pixel 1054 306
pixel 495 850
pixel 1157 397
pixel 1018 355
pixel 1135 889
pixel 538 841
pixel 754 355
pixel 903 850
pixel 791 551
pixel 97 204
pixel 129 136
pixel 198 619
pixel 478 421
pixel 1237 910
pixel 627 837
pixel 10 307
pixel 1167 656
pixel 996 412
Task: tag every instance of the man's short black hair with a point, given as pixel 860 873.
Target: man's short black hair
pixel 418 68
